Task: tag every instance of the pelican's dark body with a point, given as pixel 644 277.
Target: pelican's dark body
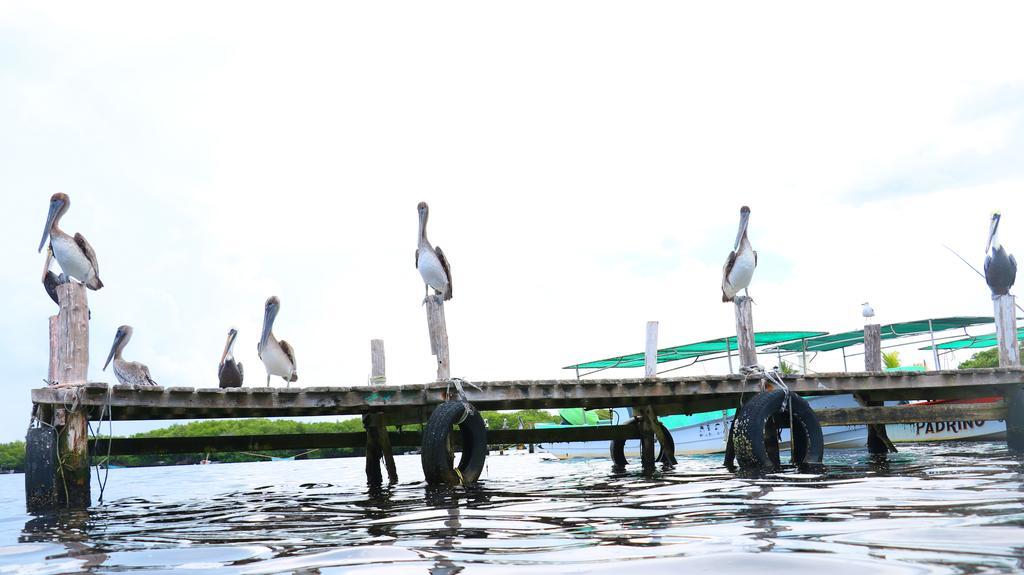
pixel 230 373
pixel 1000 267
pixel 50 283
pixel 1000 271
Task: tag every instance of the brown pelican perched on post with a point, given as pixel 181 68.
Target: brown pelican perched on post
pixel 430 261
pixel 278 357
pixel 127 372
pixel 74 254
pixel 739 268
pixel 1000 267
pixel 230 373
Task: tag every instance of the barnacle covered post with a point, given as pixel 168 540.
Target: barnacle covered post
pixel 56 446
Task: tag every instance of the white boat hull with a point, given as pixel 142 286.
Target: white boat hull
pixel 709 436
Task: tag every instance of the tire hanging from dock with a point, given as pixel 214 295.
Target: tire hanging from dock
pixel 753 436
pixel 438 458
pixel 666 453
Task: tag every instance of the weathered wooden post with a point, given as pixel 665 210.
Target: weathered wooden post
pixel 378 444
pixel 72 334
pixel 1009 356
pixel 438 335
pixel 878 438
pixel 745 331
pixel 377 375
pixel 67 474
pixel 651 351
pixel 1006 330
pixel 51 377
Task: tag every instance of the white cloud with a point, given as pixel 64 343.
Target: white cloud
pixel 584 165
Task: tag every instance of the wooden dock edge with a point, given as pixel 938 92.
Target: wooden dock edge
pixel 234 443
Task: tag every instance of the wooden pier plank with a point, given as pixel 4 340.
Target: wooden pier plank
pixel 413 402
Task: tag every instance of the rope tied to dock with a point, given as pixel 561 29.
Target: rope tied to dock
pixel 458 382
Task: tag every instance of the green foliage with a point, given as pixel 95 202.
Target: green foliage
pixel 987 358
pixel 12 455
pixel 891 359
pixel 787 368
pixel 495 419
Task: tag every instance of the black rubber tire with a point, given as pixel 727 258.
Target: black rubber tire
pixel 617 450
pixel 754 438
pixel 438 464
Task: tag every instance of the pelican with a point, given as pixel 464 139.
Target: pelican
pixel 74 254
pixel 278 357
pixel 430 261
pixel 866 310
pixel 1000 267
pixel 230 373
pixel 739 268
pixel 127 372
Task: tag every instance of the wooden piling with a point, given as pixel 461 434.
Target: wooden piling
pixel 873 347
pixel 1006 331
pixel 745 331
pixel 51 374
pixel 373 451
pixel 68 366
pixel 377 375
pixel 438 335
pixel 1009 356
pixel 72 334
pixel 378 442
pixel 878 439
pixel 647 456
pixel 73 439
pixel 651 351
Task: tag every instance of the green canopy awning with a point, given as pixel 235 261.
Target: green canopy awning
pixel 694 350
pixel 974 342
pixel 889 331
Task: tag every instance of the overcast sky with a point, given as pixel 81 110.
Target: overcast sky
pixel 584 163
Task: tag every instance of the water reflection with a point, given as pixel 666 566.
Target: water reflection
pixel 927 509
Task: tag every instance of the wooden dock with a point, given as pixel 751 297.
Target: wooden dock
pixel 58 447
pixel 404 404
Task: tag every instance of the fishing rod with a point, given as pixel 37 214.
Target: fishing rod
pixel 975 269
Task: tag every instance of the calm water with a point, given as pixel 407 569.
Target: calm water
pixel 951 508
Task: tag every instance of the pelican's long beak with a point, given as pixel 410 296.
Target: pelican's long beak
pixel 993 229
pixel 268 323
pixel 55 206
pixel 113 349
pixel 229 345
pixel 744 220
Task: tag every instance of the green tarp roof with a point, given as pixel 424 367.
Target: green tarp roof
pixel 840 340
pixel 975 342
pixel 693 350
